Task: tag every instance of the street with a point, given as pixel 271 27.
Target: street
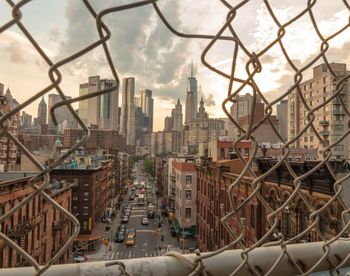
pixel 148 242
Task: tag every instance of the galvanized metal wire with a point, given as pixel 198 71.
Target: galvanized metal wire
pixel 253 67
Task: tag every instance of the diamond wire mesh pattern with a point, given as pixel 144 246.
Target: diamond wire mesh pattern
pixel 253 68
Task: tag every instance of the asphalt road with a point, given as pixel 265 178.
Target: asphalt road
pixel 147 243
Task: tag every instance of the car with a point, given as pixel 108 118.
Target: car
pixel 122 228
pixel 131 197
pixel 108 221
pixel 126 213
pixel 131 232
pixel 119 237
pixel 125 219
pixel 130 241
pixel 144 221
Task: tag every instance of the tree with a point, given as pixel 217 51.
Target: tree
pixel 149 166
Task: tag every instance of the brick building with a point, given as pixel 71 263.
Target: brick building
pixel 36 142
pixel 185 181
pixel 214 178
pixel 96 187
pixel 109 140
pixel 37 227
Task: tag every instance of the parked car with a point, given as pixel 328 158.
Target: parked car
pixel 144 221
pixel 119 237
pixel 125 219
pixel 126 213
pixel 132 232
pixel 130 241
pixel 122 228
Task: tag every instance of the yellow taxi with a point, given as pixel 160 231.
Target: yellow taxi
pixel 130 241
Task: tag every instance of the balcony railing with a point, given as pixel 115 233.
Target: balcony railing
pixel 19 230
pixel 324 123
pixel 57 225
pixel 324 132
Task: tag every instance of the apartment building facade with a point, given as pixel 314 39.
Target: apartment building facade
pixel 185 195
pixel 37 227
pixel 330 118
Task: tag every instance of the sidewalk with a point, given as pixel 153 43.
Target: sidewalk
pixel 168 239
pixel 101 251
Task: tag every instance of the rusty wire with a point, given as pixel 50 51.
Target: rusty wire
pixel 253 67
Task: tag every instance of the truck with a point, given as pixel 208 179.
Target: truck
pixel 150 210
pixel 141 199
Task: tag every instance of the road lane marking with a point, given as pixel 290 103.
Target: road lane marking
pixel 137 216
pixel 129 254
pixel 112 256
pixel 144 231
pixel 146 254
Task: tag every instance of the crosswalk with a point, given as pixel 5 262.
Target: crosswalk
pixel 134 254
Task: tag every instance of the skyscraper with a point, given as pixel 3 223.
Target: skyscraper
pixel 191 98
pixel 42 112
pixel 102 110
pixel 83 105
pixel 62 113
pixel 127 120
pixel 108 110
pixel 176 114
pixel 147 106
pixel 240 108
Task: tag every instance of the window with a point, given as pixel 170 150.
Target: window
pixel 188 179
pixel 33 207
pixel 45 220
pixel 252 216
pixel 188 213
pixel 338 148
pixel 85 225
pixel 222 152
pixel 338 127
pixel 305 138
pixel 311 138
pixel 188 194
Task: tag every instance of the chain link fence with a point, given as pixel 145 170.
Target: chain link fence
pixel 253 67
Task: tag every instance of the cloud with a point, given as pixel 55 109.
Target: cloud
pixel 143 47
pixel 208 99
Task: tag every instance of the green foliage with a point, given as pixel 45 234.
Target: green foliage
pixel 148 166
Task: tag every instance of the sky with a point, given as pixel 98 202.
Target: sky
pixel 142 47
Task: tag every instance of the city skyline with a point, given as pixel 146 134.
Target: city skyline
pixel 166 74
pixel 225 135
